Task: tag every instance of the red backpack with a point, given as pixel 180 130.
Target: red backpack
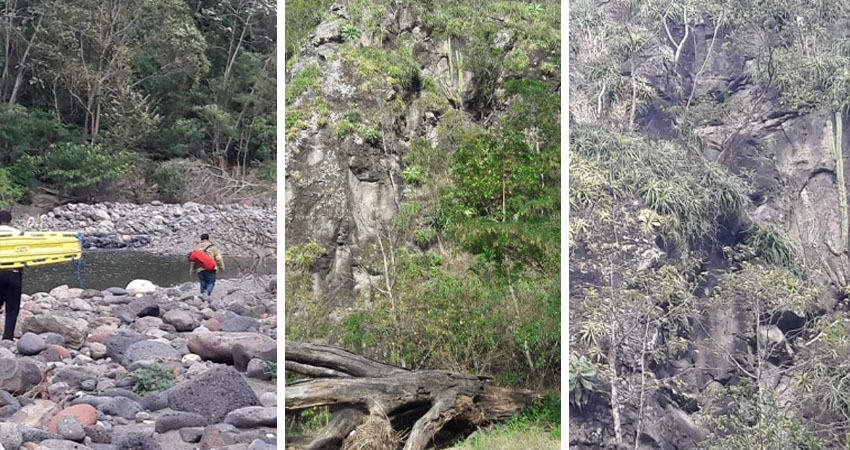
pixel 203 259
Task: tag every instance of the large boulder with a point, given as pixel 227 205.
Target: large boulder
pixel 74 331
pixel 18 375
pixel 218 346
pixel 213 394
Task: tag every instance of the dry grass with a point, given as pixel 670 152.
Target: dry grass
pixel 375 433
pixel 533 438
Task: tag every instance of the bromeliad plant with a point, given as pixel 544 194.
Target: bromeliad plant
pixel 582 374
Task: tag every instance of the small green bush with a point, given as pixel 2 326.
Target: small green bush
pixel 153 379
pixel 343 128
pixel 424 238
pixel 350 33
pixel 413 175
pixel 302 257
pixel 772 245
pixel 370 135
pixel 582 375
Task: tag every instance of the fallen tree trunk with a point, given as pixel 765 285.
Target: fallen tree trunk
pixel 416 405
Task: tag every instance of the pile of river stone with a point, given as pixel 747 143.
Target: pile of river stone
pixel 162 228
pixel 67 383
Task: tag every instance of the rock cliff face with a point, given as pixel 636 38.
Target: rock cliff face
pixel 344 185
pixel 788 158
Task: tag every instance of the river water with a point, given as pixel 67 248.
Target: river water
pixel 102 269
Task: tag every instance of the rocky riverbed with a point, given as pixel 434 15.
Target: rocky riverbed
pixel 163 228
pixel 142 367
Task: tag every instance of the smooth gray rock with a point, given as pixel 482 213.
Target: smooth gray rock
pixel 121 407
pixel 118 344
pixel 92 400
pixel 71 429
pixel 259 444
pixel 243 354
pixel 239 324
pixel 139 307
pixel 118 392
pixel 178 420
pixel 94 446
pixel 136 441
pixel 51 338
pixel 191 435
pixel 72 377
pixel 31 344
pixel 19 375
pixel 258 369
pixel 155 401
pixel 181 320
pixel 252 417
pixel 61 444
pixel 116 291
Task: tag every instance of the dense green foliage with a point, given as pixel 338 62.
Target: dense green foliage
pixel 686 197
pixel 141 83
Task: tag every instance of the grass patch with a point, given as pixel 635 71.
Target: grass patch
pixel 377 67
pixel 306 79
pixel 690 196
pixel 309 422
pixel 153 379
pixel 538 427
pixel 772 245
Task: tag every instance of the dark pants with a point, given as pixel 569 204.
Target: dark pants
pixel 207 278
pixel 10 295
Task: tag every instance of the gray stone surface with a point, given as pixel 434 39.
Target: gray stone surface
pixel 213 394
pixel 121 407
pixel 150 350
pixel 178 420
pixel 70 428
pixel 10 435
pixel 252 417
pixel 31 344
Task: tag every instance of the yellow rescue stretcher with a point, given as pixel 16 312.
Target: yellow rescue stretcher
pixel 30 249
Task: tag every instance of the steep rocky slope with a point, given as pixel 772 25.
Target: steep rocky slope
pixel 731 229
pixel 355 108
